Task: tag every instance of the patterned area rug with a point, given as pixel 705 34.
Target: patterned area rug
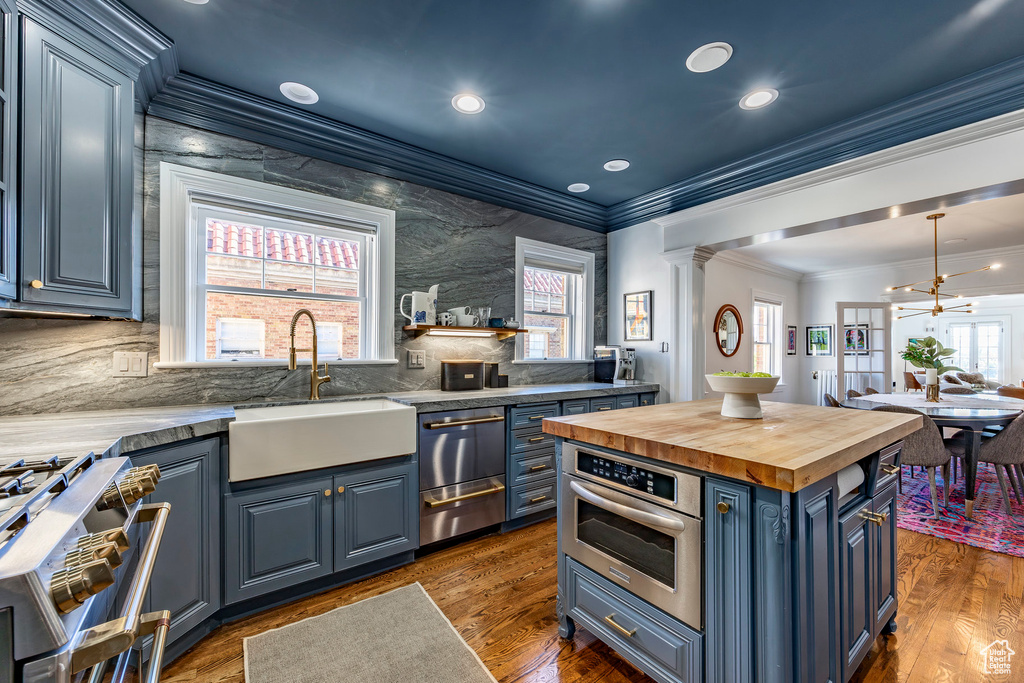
pixel 991 529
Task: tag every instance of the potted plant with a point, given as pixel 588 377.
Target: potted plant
pixel 929 354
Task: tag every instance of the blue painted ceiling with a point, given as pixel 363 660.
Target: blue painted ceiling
pixel 570 84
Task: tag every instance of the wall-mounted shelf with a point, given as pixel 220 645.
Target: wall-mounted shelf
pixel 445 331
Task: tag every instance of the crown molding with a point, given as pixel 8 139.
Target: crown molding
pixel 115 34
pixel 211 106
pixel 985 94
pixel 688 255
pixel 756 265
pixel 963 260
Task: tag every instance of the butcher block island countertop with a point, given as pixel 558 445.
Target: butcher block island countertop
pixel 793 446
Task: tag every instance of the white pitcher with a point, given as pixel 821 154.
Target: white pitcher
pixel 424 307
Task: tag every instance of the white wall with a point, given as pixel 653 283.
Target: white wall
pixel 635 264
pixel 733 281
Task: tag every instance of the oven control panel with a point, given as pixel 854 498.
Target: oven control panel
pixel 633 477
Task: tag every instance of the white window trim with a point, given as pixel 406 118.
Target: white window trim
pixel 555 255
pixel 780 325
pixel 181 186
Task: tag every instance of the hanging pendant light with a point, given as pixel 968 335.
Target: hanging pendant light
pixel 935 283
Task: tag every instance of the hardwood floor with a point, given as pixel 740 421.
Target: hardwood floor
pixel 499 591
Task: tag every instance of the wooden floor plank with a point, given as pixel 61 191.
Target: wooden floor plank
pixel 499 592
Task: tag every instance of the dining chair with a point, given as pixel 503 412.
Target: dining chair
pixel 869 391
pixel 1010 392
pixel 1005 452
pixel 925 448
pixel 831 401
pixel 853 393
pixel 957 390
pixel 911 383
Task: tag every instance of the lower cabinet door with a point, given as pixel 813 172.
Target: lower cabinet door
pixel 186 579
pixel 533 497
pixel 857 606
pixel 576 407
pixel 885 557
pixel 602 404
pixel 375 514
pixel 648 399
pixel 276 537
pixel 627 401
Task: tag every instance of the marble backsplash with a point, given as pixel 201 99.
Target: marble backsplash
pixel 466 246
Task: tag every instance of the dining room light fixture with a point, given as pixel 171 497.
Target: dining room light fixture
pixel 935 283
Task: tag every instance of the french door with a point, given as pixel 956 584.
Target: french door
pixel 863 347
pixel 980 346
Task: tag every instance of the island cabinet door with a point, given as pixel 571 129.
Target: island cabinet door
pixel 885 557
pixel 728 584
pixel 375 514
pixel 816 583
pixel 275 537
pixel 855 586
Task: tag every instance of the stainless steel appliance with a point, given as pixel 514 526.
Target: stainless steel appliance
pixel 605 359
pixel 462 472
pixel 636 524
pixel 73 573
pixel 625 366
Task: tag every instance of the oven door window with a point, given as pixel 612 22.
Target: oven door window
pixel 645 549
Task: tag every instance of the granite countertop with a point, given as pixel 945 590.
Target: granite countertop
pixel 792 447
pixel 113 432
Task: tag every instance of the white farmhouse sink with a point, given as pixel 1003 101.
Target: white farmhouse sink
pixel 281 439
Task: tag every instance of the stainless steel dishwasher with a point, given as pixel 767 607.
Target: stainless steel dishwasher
pixel 462 472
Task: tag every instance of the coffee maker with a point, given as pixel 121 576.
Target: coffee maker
pixel 615 364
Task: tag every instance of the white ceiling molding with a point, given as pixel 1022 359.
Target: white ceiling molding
pixel 749 263
pixel 965 260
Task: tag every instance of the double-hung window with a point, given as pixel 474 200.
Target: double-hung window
pixel 767 336
pixel 554 301
pixel 239 258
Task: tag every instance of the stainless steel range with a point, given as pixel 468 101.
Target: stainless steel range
pixel 73 569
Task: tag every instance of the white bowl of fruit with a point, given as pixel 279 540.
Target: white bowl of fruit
pixel 741 390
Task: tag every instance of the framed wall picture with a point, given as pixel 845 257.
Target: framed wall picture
pixel 855 339
pixel 819 340
pixel 791 340
pixel 639 308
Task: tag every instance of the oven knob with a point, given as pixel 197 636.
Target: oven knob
pixel 117 536
pixel 97 551
pixel 632 480
pixel 72 586
pixel 138 483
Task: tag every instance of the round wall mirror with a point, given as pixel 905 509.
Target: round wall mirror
pixel 728 330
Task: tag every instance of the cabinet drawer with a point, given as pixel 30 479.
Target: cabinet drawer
pixel 655 643
pixel 648 399
pixel 530 498
pixel 531 466
pixel 530 439
pixel 577 407
pixel 598 405
pixel 888 467
pixel 530 415
pixel 627 401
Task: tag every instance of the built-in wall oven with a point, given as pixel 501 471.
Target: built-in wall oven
pixel 636 524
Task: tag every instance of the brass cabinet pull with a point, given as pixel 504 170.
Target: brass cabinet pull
pixel 431 503
pixel 538 468
pixel 535 439
pixel 722 506
pixel 463 423
pixel 891 469
pixel 536 417
pixel 36 284
pixel 604 408
pixel 610 619
pixel 327 492
pixel 875 517
pixel 537 499
pixel 341 489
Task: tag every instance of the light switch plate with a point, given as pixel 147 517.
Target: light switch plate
pixel 417 359
pixel 131 363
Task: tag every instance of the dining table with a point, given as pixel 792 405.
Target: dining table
pixel 970 413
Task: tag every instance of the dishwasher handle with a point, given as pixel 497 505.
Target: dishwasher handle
pixel 463 423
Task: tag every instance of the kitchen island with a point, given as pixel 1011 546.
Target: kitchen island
pixel 706 548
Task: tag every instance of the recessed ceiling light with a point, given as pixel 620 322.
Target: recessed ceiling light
pixel 578 187
pixel 759 98
pixel 709 57
pixel 296 92
pixel 468 103
pixel 616 165
pixel 956 240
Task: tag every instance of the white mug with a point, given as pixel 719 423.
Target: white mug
pixel 460 311
pixel 468 320
pixel 447 319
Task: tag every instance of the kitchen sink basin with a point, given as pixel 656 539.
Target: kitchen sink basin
pixel 273 440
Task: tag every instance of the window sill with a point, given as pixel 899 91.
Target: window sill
pixel 168 365
pixel 559 361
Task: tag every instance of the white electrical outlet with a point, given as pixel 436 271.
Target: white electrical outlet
pixel 417 359
pixel 131 363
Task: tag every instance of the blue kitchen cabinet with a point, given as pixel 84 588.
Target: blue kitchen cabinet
pixel 648 399
pixel 602 404
pixel 186 579
pixel 375 514
pixel 79 242
pixel 579 406
pixel 857 601
pixel 8 151
pixel 884 556
pixel 530 465
pixel 627 401
pixel 729 599
pixel 277 536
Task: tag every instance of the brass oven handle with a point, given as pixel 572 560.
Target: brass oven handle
pixel 632 513
pixel 610 620
pixel 102 642
pixel 462 423
pixel 497 488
